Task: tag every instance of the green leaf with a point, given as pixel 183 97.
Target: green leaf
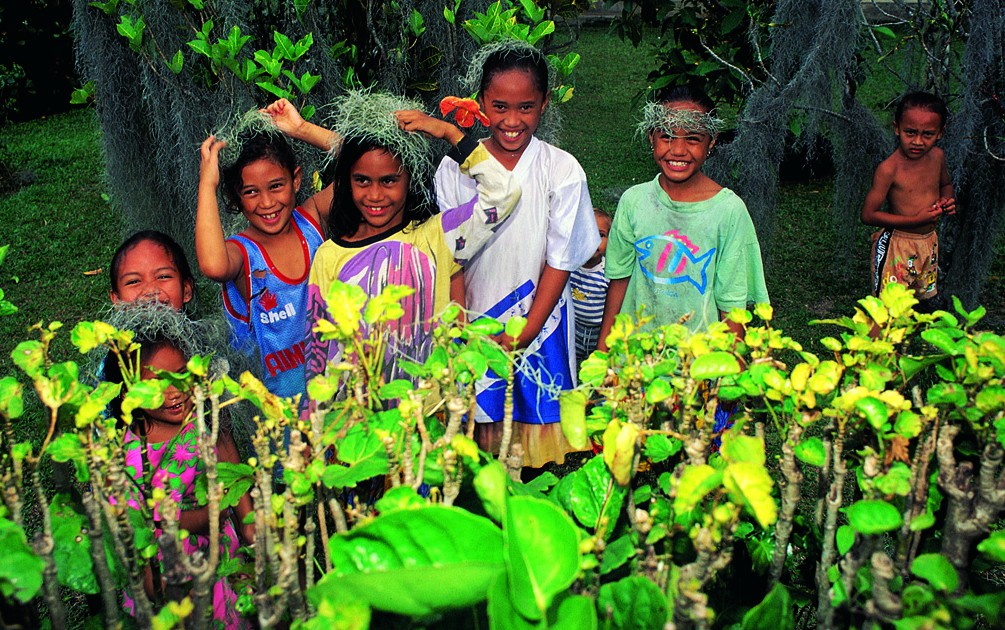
pixel 593 370
pixel 536 529
pixel 345 306
pixel 874 410
pixel 617 553
pixel 400 498
pixel 658 391
pixel 415 562
pixel 278 92
pixel 72 547
pixel 515 326
pixel 694 485
pixel 714 365
pixel 845 538
pixel 572 407
pixel 990 399
pixel 749 485
pixel 870 517
pixel 490 484
pixel 482 327
pixel 941 339
pixel 397 388
pixel 386 306
pixel 897 481
pixel 937 571
pixel 21 570
pixel 588 494
pixel 885 31
pixel 738 448
pixel 363 454
pixel 620 441
pixel 947 394
pixel 922 522
pixel 634 603
pixel 660 447
pixel 811 451
pixel 908 424
pixel 993 546
pixel 773 613
pixel 29 356
pixel 910 366
pixel 11 402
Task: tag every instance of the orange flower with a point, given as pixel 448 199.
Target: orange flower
pixel 466 111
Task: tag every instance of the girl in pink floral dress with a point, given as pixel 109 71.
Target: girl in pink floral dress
pixel 173 463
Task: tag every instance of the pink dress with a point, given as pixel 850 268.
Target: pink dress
pixel 176 467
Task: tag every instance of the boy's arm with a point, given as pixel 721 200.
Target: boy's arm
pixel 218 260
pixel 616 291
pixel 947 195
pixel 872 214
pixel 549 290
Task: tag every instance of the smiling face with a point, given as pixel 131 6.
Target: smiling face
pixel 268 195
pixel 379 191
pixel 514 105
pixel 177 404
pixel 680 155
pixel 148 272
pixel 917 132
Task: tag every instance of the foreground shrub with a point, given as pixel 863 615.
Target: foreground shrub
pixel 862 484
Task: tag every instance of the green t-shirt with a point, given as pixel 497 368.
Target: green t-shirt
pixel 698 258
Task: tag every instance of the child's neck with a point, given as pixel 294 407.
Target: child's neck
pixel 509 159
pixel 158 432
pixel 699 187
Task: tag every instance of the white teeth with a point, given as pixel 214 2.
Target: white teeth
pixel 677 164
pixel 511 134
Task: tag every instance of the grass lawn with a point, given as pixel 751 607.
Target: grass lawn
pixel 63 232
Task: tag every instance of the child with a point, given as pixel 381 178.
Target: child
pixel 524 270
pixel 589 290
pixel 264 268
pixel 381 232
pixel 173 464
pixel 915 182
pixel 151 265
pixel 681 244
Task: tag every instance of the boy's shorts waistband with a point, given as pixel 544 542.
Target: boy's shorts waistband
pixel 909 235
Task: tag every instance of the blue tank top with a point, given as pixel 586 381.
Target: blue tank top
pixel 273 320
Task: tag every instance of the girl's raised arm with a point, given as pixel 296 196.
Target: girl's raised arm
pixel 218 260
pixel 288 120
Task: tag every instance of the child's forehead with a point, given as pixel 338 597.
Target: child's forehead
pixel 921 117
pixel 602 218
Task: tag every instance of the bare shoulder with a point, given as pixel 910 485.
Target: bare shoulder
pixel 887 169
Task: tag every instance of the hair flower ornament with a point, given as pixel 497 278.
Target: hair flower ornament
pixel 466 111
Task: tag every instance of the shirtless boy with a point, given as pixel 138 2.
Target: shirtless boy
pixel 915 182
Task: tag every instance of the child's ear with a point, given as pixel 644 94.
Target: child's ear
pixel 186 292
pixel 114 297
pixel 297 176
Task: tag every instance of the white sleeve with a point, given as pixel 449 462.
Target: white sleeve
pixel 573 236
pixel 469 226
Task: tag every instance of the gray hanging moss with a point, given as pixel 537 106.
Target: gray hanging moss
pixel 153 121
pixel 975 148
pixel 812 65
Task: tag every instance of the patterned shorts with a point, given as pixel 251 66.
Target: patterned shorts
pixel 906 258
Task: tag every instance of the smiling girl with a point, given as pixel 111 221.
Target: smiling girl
pixel 264 268
pixel 524 270
pixel 382 227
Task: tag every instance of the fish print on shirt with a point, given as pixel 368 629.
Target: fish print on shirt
pixel 671 258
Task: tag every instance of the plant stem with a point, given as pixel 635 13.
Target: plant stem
pixel 790 501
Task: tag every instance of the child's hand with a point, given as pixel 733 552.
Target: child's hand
pixel 947 205
pixel 285 116
pixel 209 164
pixel 414 120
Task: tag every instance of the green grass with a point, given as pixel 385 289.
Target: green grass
pixel 61 231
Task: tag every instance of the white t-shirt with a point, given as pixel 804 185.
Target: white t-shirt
pixel 552 224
